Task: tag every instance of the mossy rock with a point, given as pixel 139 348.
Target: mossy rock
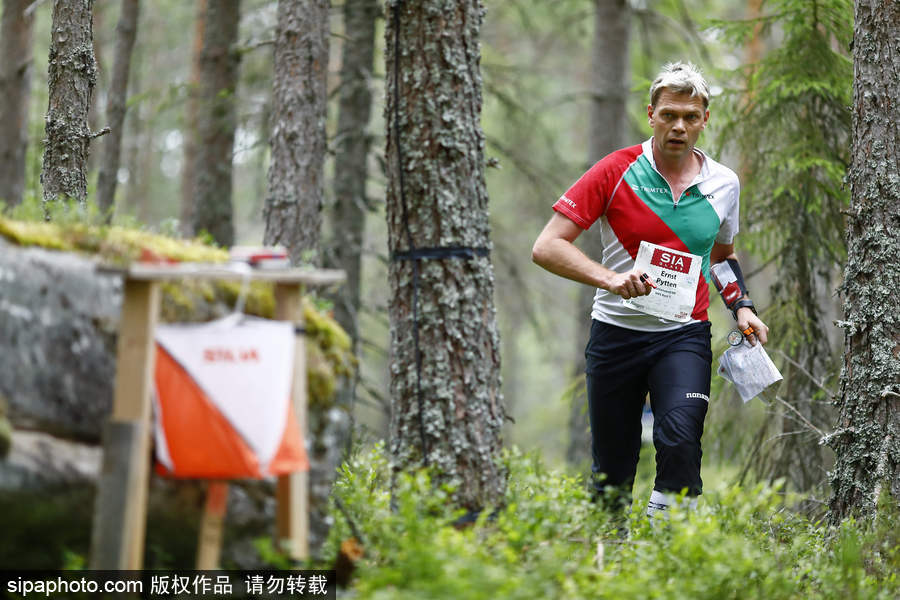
pixel 329 348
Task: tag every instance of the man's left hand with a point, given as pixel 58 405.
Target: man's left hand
pixel 752 326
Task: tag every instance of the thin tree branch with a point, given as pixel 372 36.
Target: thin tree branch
pixel 29 10
pixel 95 134
pixel 802 418
pixel 760 268
pixel 805 372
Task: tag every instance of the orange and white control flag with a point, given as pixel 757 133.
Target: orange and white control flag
pixel 223 400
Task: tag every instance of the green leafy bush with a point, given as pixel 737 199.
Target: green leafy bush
pixel 550 541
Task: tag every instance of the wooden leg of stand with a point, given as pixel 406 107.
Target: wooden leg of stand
pixel 120 512
pixel 209 543
pixel 293 489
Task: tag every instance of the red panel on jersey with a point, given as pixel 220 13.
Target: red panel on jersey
pixel 588 198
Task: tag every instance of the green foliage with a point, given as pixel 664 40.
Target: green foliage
pixel 550 541
pixel 791 126
pixel 270 555
pixel 59 518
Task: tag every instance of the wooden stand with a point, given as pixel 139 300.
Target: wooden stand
pixel 120 511
pixel 212 524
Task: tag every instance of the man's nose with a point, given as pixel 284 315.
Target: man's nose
pixel 679 125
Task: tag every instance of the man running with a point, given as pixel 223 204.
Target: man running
pixel 682 207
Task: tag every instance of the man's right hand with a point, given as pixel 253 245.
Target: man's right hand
pixel 554 250
pixel 629 284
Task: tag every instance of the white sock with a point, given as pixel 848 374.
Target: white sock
pixel 659 502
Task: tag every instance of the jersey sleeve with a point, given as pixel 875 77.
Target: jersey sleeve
pixel 586 200
pixel 729 227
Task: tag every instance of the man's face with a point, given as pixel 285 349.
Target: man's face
pixel 677 120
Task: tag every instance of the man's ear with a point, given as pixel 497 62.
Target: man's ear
pixel 650 113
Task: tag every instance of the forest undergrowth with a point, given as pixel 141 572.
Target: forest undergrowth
pixel 550 541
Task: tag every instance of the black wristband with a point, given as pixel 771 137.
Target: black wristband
pixel 736 268
pixel 743 303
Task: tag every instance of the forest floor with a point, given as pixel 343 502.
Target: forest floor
pixel 550 541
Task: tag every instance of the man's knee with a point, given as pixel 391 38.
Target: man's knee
pixel 681 428
pixel 676 436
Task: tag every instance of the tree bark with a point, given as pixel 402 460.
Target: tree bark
pixel 217 122
pixel 97 24
pixel 71 76
pixel 350 165
pixel 16 33
pixel 447 409
pixel 126 31
pixel 867 438
pixel 293 211
pixel 608 132
pixel 192 113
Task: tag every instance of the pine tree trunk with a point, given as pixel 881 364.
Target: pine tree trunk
pixel 867 438
pixel 608 132
pixel 16 32
pixel 71 78
pixel 126 31
pixel 293 211
pixel 192 113
pixel 447 409
pixel 216 123
pixel 351 157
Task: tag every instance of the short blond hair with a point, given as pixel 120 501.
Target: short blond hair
pixel 680 78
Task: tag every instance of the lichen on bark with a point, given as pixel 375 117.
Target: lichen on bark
pixel 867 437
pixel 72 74
pixel 447 409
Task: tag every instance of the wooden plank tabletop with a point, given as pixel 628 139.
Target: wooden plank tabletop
pixel 232 271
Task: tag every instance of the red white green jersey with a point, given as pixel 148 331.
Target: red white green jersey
pixel 632 202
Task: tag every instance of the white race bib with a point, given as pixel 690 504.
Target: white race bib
pixel 675 274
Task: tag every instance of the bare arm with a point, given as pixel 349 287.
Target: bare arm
pixel 745 316
pixel 554 251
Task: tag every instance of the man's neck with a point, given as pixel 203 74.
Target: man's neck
pixel 686 167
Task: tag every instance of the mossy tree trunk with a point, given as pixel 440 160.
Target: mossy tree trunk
pixel 867 438
pixel 350 164
pixel 293 210
pixel 126 32
pixel 447 409
pixel 72 74
pixel 16 34
pixel 216 122
pixel 608 132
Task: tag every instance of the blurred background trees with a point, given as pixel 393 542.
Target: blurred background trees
pixel 789 126
pixel 16 29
